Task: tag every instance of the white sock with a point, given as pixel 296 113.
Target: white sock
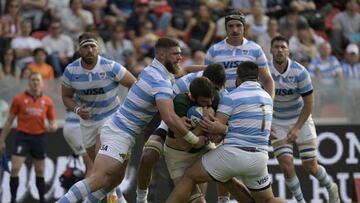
pixel 141 195
pixel 223 199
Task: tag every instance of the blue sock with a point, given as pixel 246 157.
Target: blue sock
pixel 77 192
pixel 96 196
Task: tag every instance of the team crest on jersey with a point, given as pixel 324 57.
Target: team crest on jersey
pixel 245 52
pixel 102 75
pixel 42 102
pixel 291 79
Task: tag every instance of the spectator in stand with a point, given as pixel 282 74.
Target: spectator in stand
pixel 8 68
pixel 304 42
pixel 118 10
pixel 289 22
pixel 346 27
pixel 55 7
pixel 4 40
pixel 351 64
pixel 94 30
pixel 31 108
pixel 183 11
pixel 264 39
pixel 325 65
pixel 33 9
pixel 197 58
pixel 75 19
pixel 24 44
pixel 97 9
pixel 40 66
pixel 202 29
pixel 257 19
pixel 60 47
pixel 144 43
pixel 119 47
pixel 244 6
pixel 12 18
pixel 141 14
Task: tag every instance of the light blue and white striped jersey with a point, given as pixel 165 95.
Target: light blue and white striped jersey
pixel 71 117
pixel 351 71
pixel 139 107
pixel 97 89
pixel 290 86
pixel 182 84
pixel 231 57
pixel 249 109
pixel 327 68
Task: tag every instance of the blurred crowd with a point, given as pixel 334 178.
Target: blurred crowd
pixel 41 35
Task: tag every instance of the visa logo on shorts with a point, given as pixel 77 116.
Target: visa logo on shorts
pixel 94 91
pixel 263 180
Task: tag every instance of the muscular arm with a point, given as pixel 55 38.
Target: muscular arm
pixel 168 115
pixel 128 80
pixel 267 81
pixel 67 97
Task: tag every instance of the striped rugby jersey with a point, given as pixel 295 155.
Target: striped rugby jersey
pixel 290 86
pixel 97 89
pixel 231 57
pixel 139 107
pixel 182 84
pixel 249 109
pixel 351 71
pixel 327 68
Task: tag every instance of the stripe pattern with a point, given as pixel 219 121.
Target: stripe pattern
pixel 97 89
pixel 249 109
pixel 231 57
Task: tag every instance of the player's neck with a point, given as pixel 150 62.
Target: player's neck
pixel 235 41
pixel 88 66
pixel 281 66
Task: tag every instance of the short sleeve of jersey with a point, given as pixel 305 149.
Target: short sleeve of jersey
pixel 209 59
pixel 50 114
pixel 226 105
pixel 261 60
pixel 117 72
pixel 66 77
pixel 162 89
pixel 304 82
pixel 15 106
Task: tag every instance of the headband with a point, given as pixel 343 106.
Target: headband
pixel 238 17
pixel 88 41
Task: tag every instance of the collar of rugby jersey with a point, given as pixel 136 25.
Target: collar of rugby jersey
pixel 245 41
pixel 155 63
pixel 250 84
pixel 276 72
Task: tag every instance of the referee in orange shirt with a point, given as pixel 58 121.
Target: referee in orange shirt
pixel 31 109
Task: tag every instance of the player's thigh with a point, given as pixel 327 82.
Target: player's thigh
pixel 90 131
pixel 262 196
pixel 115 142
pixel 178 161
pixel 307 133
pixel 72 135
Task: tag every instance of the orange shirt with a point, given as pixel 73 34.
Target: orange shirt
pixel 45 70
pixel 31 112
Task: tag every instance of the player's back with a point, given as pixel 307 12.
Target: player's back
pixel 139 106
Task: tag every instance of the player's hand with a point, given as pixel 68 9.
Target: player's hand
pixel 292 135
pixel 215 138
pixel 187 122
pixel 208 111
pixel 203 140
pixel 272 134
pixel 211 125
pixel 2 146
pixel 52 127
pixel 84 113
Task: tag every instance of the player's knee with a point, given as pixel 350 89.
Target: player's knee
pixel 149 157
pixel 286 165
pixel 197 198
pixel 311 167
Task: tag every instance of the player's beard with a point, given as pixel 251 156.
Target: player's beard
pixel 171 67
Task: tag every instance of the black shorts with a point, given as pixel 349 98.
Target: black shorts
pixel 33 144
